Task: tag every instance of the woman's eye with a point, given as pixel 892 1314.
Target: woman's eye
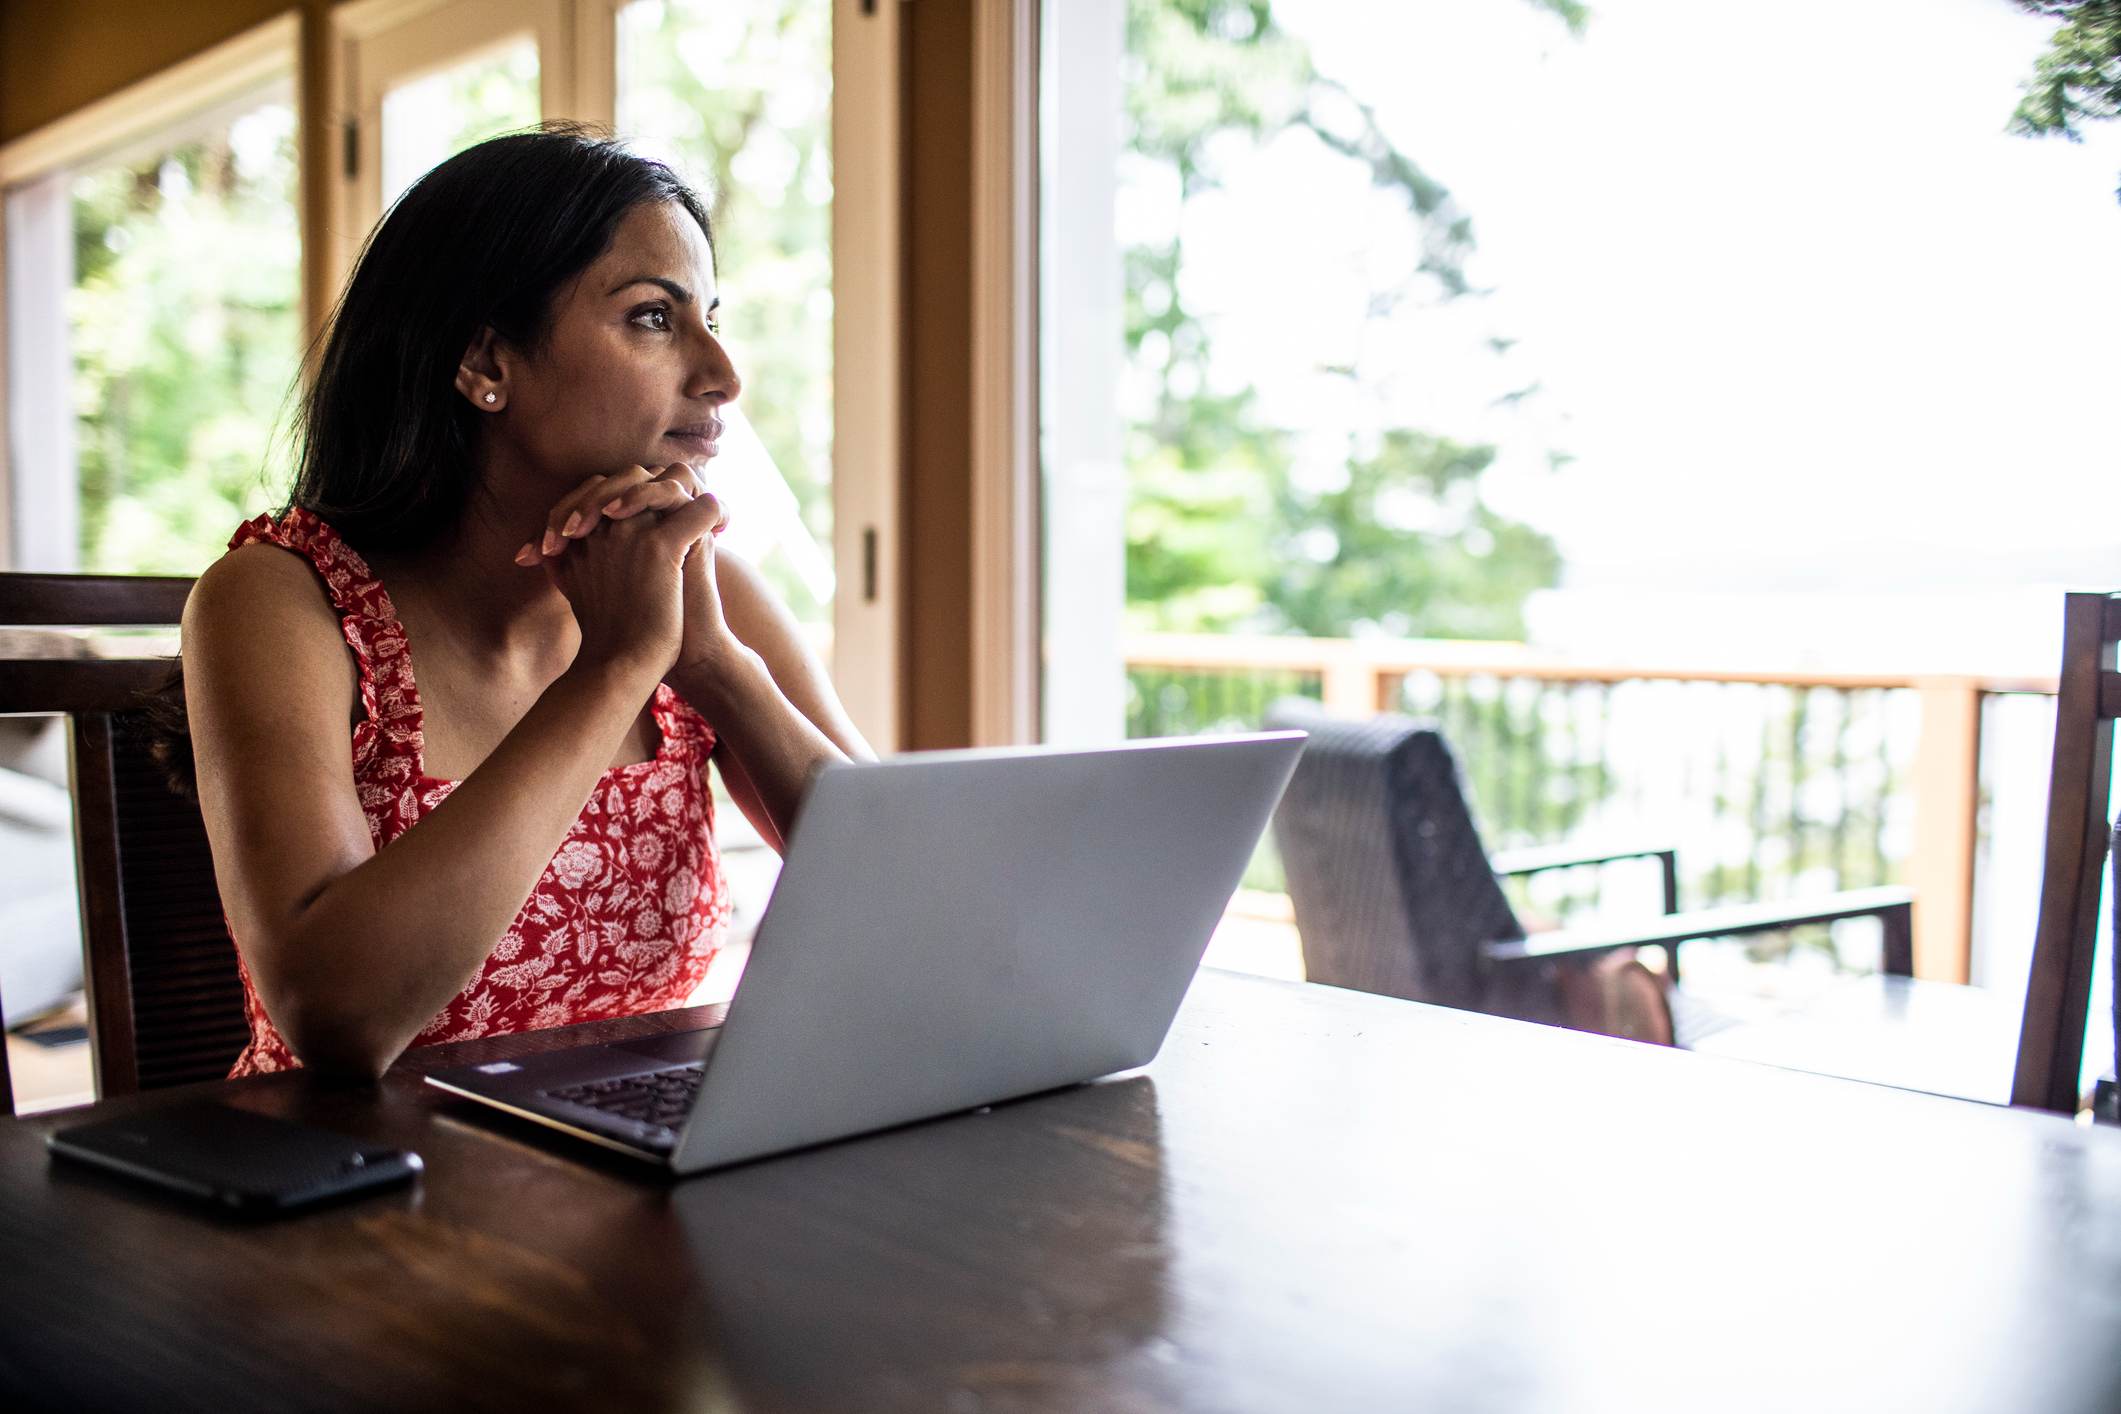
pixel 657 319
pixel 714 326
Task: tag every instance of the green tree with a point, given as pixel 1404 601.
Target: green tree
pixel 1339 563
pixel 2078 79
pixel 1221 533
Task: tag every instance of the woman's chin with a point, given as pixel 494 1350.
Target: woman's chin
pixel 693 449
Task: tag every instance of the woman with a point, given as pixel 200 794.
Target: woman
pixel 496 483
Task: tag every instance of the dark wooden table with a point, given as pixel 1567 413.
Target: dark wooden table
pixel 1313 1200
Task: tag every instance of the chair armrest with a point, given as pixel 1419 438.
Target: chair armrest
pixel 1518 863
pixel 1892 906
pixel 1537 859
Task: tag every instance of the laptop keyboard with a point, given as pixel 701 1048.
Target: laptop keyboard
pixel 661 1097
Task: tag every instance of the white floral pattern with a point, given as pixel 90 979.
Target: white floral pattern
pixel 632 907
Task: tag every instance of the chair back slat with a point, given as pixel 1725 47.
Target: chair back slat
pixel 1389 880
pixel 2111 1111
pixel 2110 695
pixel 2080 777
pixel 187 997
pixel 91 600
pixel 164 999
pixel 100 875
pixel 83 684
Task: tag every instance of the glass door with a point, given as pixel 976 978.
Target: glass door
pixel 421 83
pixel 430 118
pixel 737 96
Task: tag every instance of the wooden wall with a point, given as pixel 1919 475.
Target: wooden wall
pixel 936 345
pixel 58 55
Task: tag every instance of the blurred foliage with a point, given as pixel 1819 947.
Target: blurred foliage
pixel 184 321
pixel 1222 534
pixel 1338 562
pixel 2078 79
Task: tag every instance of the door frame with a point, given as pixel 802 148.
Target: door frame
pixel 1005 630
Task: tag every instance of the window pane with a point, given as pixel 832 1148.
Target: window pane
pixel 737 95
pixel 431 118
pixel 183 324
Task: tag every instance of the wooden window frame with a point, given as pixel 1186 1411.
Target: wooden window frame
pixel 869 647
pixel 1004 392
pixel 968 102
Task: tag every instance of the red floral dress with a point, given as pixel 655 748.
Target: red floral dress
pixel 632 907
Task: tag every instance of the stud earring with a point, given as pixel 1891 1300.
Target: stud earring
pixel 492 397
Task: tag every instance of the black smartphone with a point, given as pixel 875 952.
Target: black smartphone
pixel 242 1161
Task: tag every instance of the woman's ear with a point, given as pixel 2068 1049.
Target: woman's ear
pixel 482 376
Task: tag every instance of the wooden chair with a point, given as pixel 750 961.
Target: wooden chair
pixel 2046 1063
pixel 2079 784
pixel 165 1005
pixel 1395 893
pixel 1386 868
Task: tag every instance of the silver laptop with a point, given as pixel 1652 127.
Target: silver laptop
pixel 950 929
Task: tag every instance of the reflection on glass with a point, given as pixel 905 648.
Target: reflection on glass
pixel 1041 1232
pixel 430 118
pixel 183 325
pixel 737 95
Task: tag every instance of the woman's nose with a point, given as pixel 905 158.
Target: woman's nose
pixel 717 376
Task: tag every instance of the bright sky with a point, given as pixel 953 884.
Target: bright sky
pixel 1802 310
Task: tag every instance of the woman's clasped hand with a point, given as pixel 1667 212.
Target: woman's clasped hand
pixel 633 552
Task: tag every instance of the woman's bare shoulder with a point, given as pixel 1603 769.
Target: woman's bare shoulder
pixel 259 603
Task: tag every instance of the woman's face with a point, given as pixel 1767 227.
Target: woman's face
pixel 631 371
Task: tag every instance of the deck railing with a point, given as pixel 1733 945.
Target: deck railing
pixel 1773 784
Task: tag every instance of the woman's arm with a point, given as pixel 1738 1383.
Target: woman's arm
pixel 745 666
pixel 763 624
pixel 769 700
pixel 353 949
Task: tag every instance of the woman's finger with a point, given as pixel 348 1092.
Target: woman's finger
pixel 696 520
pixel 616 497
pixel 533 550
pixel 576 514
pixel 661 495
pixel 683 475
